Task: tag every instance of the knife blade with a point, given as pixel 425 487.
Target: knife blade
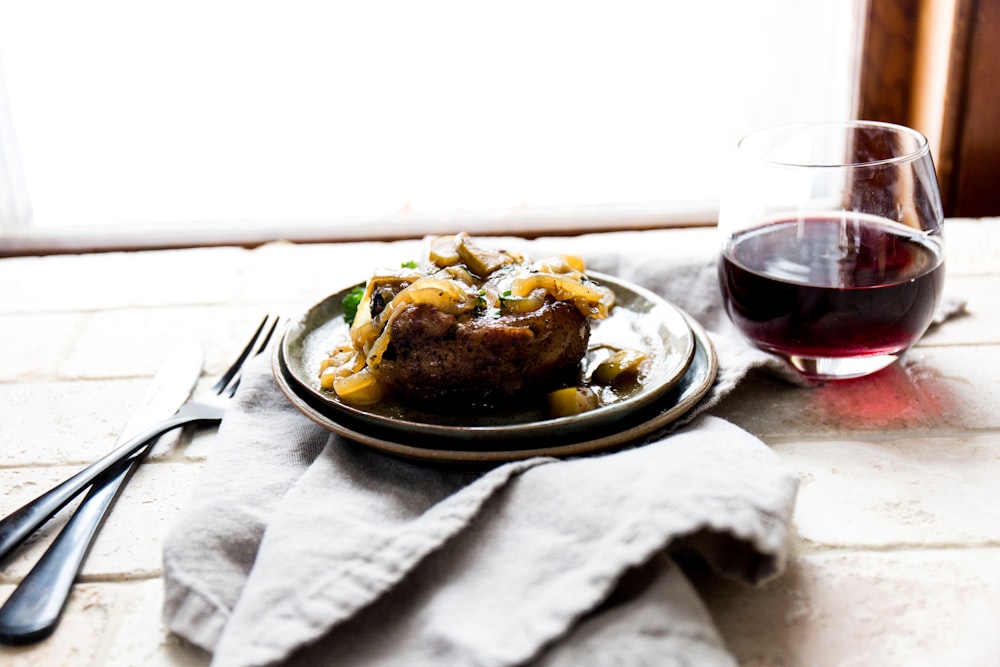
pixel 33 610
pixel 169 388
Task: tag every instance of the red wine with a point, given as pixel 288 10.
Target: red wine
pixel 825 287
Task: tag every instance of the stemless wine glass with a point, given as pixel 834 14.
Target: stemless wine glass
pixel 832 251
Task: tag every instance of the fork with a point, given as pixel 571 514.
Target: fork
pixel 209 406
pixel 32 611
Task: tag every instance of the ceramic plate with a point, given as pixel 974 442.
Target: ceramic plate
pixel 640 320
pixel 630 429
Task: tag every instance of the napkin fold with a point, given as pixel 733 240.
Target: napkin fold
pixel 299 547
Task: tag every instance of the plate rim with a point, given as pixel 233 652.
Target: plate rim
pixel 461 432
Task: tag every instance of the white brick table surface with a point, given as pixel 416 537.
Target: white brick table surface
pixel 896 552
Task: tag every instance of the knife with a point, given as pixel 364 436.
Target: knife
pixel 33 610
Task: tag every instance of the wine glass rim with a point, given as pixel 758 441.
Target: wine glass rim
pixel 921 145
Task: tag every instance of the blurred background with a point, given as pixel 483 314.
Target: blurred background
pixel 176 123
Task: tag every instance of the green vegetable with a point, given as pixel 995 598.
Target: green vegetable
pixel 351 301
pixel 409 265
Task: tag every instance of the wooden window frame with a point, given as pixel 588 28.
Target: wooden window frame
pixel 932 65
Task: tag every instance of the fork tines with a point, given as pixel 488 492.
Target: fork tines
pixel 229 381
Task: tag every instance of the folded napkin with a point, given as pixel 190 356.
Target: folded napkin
pixel 298 547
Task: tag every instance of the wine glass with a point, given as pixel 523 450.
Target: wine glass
pixel 832 251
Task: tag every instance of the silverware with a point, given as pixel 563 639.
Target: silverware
pixel 28 616
pixel 33 609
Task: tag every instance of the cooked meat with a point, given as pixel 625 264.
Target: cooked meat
pixel 468 323
pixel 435 355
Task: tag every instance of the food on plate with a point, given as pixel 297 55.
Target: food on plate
pixel 468 323
pixel 621 367
pixel 569 401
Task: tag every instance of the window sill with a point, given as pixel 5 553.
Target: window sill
pixel 529 222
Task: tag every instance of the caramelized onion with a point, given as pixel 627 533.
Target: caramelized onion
pixel 481 261
pixel 621 367
pixel 590 299
pixel 359 388
pixel 571 401
pixel 442 252
pixel 519 305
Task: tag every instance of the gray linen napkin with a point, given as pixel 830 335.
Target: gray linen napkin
pixel 300 548
pixel 370 560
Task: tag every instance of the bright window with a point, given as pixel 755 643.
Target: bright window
pixel 157 113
